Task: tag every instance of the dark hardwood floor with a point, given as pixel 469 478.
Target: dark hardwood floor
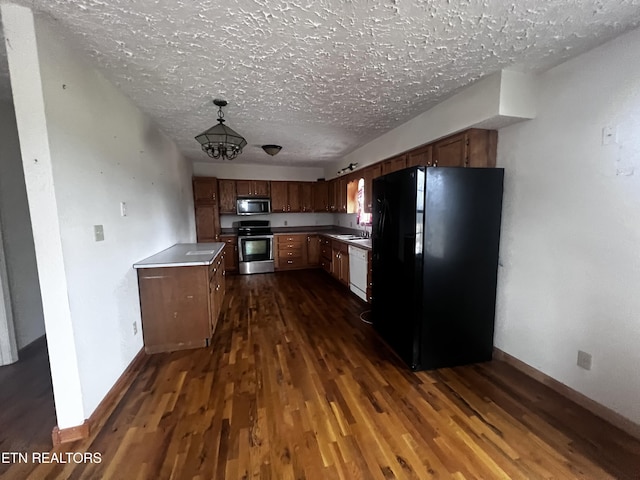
pixel 295 386
pixel 27 412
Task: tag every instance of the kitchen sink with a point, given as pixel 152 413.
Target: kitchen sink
pixel 349 237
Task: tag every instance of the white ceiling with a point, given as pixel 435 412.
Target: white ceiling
pixel 320 78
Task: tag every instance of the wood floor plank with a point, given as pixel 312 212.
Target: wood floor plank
pixel 295 386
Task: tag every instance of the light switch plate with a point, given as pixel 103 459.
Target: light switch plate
pixel 98 233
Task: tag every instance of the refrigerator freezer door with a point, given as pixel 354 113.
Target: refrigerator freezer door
pixel 397 260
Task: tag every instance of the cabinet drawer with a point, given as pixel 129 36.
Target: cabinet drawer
pixel 290 238
pixel 293 262
pixel 284 254
pixel 289 244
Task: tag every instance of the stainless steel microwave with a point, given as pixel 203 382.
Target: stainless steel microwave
pixel 253 206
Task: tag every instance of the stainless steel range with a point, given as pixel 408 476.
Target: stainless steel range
pixel 255 247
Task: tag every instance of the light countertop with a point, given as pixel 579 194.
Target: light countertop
pixel 183 255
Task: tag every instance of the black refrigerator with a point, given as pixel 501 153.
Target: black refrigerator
pixel 436 233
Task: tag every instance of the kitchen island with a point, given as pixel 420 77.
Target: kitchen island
pixel 181 293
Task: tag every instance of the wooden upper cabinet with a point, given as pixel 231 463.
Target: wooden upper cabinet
pixel 321 196
pixel 394 164
pixel 207 223
pixel 331 195
pixel 205 199
pixel 293 192
pixel 252 188
pixel 279 196
pixel 482 147
pixel 341 194
pixel 205 190
pixel 471 148
pixel 244 188
pixel 306 197
pixel 227 195
pixel 422 156
pixel 451 152
pixel 261 187
pixel 371 172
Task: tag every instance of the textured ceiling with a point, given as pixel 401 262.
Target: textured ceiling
pixel 320 77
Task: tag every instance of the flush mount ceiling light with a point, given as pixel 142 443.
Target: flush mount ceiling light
pixel 272 149
pixel 221 141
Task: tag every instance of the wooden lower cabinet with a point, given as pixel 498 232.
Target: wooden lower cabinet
pixel 230 252
pixel 217 288
pixel 313 250
pixel 340 264
pixel 326 254
pixel 180 305
pixel 290 251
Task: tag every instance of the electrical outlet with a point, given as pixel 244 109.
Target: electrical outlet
pixel 123 209
pixel 584 360
pixel 135 328
pixel 98 233
pixel 286 223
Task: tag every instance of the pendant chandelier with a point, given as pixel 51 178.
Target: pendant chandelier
pixel 221 141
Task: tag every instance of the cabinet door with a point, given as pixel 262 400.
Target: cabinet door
pixel 227 194
pixel 279 197
pixel 335 260
pixel 341 194
pixel 326 254
pixel 205 190
pixel 306 197
pixel 481 147
pixel 394 164
pixel 293 190
pixel 244 188
pixel 331 189
pixel 313 250
pixel 321 197
pixel 230 252
pixel 371 172
pixel 420 157
pixel 343 275
pixel 451 152
pixel 261 188
pixel 178 319
pixel 207 223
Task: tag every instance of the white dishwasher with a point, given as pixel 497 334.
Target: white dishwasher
pixel 358 271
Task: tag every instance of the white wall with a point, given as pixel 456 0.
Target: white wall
pixel 94 149
pixel 15 222
pixel 571 228
pixel 500 99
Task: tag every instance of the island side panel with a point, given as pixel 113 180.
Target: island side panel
pixel 174 302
